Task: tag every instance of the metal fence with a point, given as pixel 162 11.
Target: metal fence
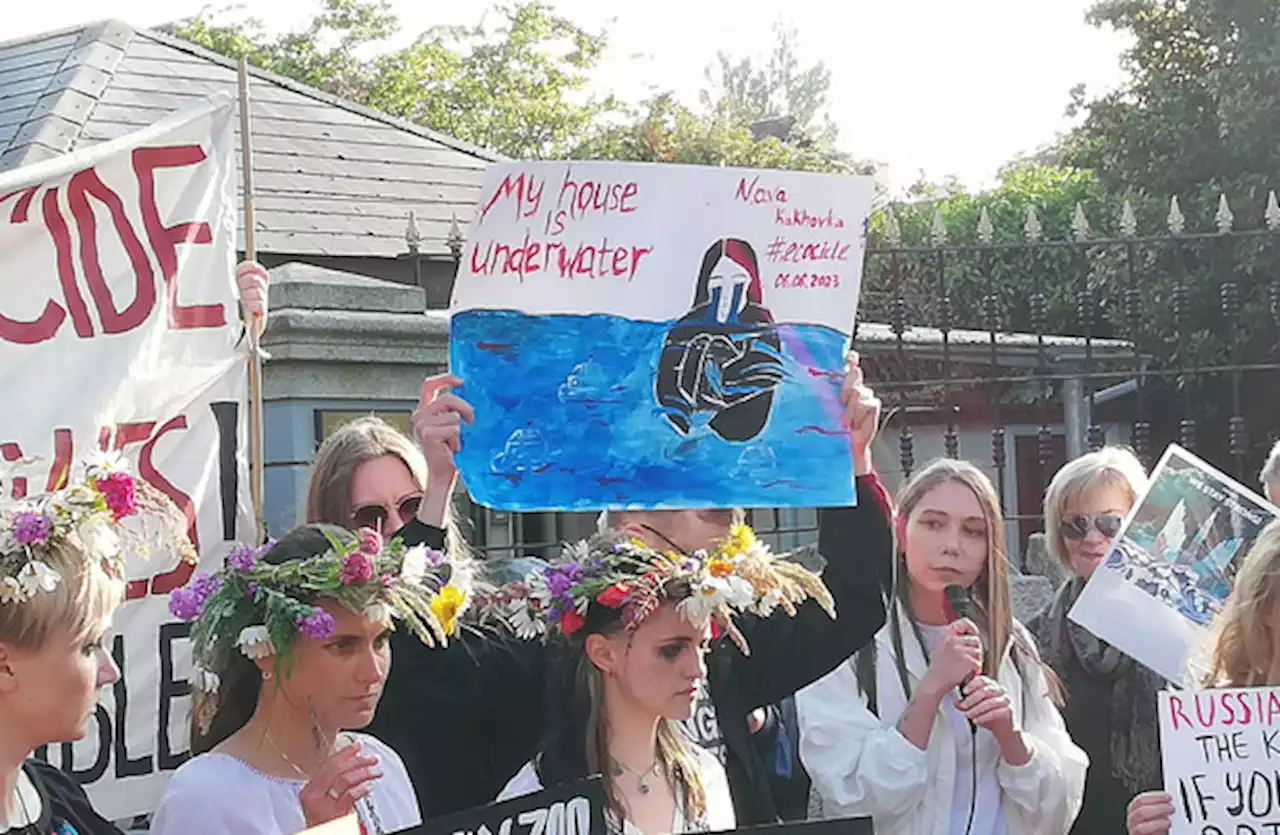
pixel 1129 337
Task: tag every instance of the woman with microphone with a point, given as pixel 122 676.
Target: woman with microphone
pixel 946 723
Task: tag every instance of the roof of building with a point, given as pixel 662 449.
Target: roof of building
pixel 331 177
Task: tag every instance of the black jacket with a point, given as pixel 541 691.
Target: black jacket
pixel 466 718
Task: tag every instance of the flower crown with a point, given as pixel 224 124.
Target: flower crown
pixel 87 515
pixel 740 576
pixel 259 608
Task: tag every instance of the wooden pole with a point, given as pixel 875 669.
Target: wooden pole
pixel 256 480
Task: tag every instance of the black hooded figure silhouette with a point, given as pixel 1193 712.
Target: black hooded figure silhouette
pixel 723 357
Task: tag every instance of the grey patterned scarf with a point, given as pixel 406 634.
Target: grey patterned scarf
pixel 1135 745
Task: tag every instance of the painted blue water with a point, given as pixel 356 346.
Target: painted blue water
pixel 566 419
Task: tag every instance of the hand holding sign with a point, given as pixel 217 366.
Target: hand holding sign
pixel 1150 813
pixel 861 413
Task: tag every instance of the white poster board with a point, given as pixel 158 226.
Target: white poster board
pixel 120 328
pixel 1221 754
pixel 1172 564
pixel 657 336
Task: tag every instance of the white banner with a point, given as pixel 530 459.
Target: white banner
pixel 119 328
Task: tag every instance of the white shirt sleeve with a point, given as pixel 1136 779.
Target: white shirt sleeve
pixel 525 782
pixel 1048 790
pixel 394 797
pixel 858 766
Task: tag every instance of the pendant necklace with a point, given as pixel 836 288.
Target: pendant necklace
pixel 642 777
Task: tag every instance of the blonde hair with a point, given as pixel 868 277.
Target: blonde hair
pixel 335 464
pixel 84 597
pixel 1108 467
pixel 1243 640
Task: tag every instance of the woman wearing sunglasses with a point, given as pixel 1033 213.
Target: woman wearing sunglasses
pixel 1111 699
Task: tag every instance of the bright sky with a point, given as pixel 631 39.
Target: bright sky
pixel 939 86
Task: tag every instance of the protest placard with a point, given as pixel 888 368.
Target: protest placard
pixel 572 809
pixel 1171 565
pixel 119 329
pixel 657 336
pixel 1221 755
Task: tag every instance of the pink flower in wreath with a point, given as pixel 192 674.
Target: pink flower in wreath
pixel 117 490
pixel 370 542
pixel 356 568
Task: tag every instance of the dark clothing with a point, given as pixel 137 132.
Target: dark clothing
pixel 778 743
pixel 466 718
pixel 1088 718
pixel 1110 713
pixel 65 807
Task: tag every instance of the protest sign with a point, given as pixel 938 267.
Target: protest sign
pixel 1221 754
pixel 572 809
pixel 657 336
pixel 119 329
pixel 825 826
pixel 1171 565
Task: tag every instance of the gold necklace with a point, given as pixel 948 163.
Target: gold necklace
pixel 285 756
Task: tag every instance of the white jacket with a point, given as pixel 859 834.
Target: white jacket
pixel 862 765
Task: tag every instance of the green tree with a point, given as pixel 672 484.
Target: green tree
pixel 743 91
pixel 516 85
pixel 663 130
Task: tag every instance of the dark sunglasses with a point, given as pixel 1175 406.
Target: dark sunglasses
pixel 1077 527
pixel 375 515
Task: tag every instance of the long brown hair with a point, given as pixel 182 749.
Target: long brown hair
pixel 1243 642
pixel 991 600
pixel 352 444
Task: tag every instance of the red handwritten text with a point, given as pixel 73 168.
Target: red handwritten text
pixel 750 191
pixel 87 187
pixel 526 189
pixel 796 252
pixel 784 281
pixel 587 260
pixel 581 198
pixel 1210 709
pixel 801 217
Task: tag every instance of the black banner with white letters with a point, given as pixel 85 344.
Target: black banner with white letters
pixel 571 809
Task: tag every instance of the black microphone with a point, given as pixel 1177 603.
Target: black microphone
pixel 961 606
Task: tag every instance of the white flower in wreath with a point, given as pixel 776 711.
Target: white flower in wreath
pixel 207 681
pixel 379 612
pixel 536 586
pixel 524 622
pixel 10 590
pixel 578 552
pixel 36 577
pixel 413 566
pixel 100 464
pixel 255 642
pixel 99 539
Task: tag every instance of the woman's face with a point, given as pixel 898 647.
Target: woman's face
pixel 945 538
pixel 52 691
pixel 1090 522
pixel 727 285
pixel 384 495
pixel 342 676
pixel 658 666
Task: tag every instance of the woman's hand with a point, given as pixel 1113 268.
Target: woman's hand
pixel 861 414
pixel 333 791
pixel 987 705
pixel 1150 813
pixel 957 658
pixel 437 422
pixel 251 281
